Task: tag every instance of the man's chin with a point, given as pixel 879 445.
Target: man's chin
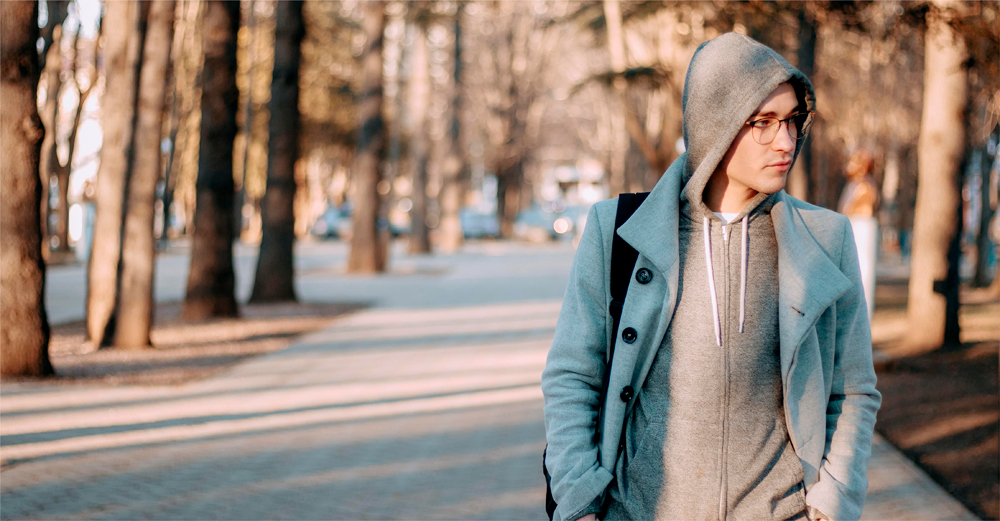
pixel 774 184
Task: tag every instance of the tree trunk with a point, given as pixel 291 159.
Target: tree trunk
pixel 49 160
pixel 57 11
pixel 177 100
pixel 932 309
pixel 420 99
pixel 24 325
pixel 275 277
pixel 61 172
pixel 62 208
pixel 509 183
pixel 50 62
pixel 51 168
pixel 799 178
pixel 135 309
pixel 368 249
pixel 454 167
pixel 983 243
pixel 122 45
pixel 248 115
pixel 655 158
pixel 888 209
pixel 211 285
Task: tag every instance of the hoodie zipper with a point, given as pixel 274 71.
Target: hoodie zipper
pixel 723 318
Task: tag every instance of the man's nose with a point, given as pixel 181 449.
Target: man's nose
pixel 785 140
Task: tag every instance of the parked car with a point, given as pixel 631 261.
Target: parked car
pixel 333 223
pixel 552 221
pixel 477 224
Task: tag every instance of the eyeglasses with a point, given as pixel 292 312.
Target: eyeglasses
pixel 765 129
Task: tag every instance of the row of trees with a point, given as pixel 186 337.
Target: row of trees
pixel 273 109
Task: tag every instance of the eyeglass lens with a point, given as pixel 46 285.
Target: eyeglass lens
pixel 766 129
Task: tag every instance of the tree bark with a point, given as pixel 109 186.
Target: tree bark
pixel 368 250
pixel 454 166
pixel 420 99
pixel 275 277
pixel 24 325
pixel 135 303
pixel 122 51
pixel 932 309
pixel 211 285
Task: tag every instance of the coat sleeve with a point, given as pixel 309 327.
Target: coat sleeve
pixel 572 379
pixel 850 415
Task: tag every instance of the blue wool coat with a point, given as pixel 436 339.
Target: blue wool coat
pixel 830 400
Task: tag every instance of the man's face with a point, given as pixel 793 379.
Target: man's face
pixel 763 168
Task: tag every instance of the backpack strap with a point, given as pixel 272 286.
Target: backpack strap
pixel 623 257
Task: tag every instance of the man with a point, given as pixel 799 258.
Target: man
pixel 742 374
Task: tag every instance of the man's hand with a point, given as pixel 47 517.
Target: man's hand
pixel 815 515
pixel 589 517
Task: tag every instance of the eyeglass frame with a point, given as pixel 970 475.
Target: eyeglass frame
pixel 810 114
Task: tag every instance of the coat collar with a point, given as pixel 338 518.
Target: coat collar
pixel 652 229
pixel 808 282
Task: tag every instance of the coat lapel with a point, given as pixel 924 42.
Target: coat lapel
pixel 808 281
pixel 652 229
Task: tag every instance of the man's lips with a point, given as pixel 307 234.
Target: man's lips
pixel 781 164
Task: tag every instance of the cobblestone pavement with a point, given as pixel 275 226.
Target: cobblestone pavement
pixel 419 412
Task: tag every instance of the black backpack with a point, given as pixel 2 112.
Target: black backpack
pixel 623 257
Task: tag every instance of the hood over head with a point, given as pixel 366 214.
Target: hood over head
pixel 728 78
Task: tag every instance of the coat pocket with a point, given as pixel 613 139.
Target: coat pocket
pixel 642 473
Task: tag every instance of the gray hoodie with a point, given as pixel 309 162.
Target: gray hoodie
pixel 785 308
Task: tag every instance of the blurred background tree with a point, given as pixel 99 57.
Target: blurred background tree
pixel 124 33
pixel 368 247
pixel 275 276
pixel 138 262
pixel 24 326
pixel 211 286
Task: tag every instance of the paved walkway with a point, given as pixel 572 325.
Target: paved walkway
pixel 410 410
pixel 483 272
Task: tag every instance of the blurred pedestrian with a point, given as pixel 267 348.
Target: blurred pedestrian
pixel 741 384
pixel 83 245
pixel 858 202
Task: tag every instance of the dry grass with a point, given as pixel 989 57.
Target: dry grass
pixel 941 408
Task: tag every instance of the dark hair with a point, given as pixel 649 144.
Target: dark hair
pixel 800 94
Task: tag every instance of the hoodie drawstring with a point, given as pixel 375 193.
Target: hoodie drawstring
pixel 743 271
pixel 711 281
pixel 707 228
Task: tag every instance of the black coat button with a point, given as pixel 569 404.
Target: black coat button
pixel 629 335
pixel 627 393
pixel 643 276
